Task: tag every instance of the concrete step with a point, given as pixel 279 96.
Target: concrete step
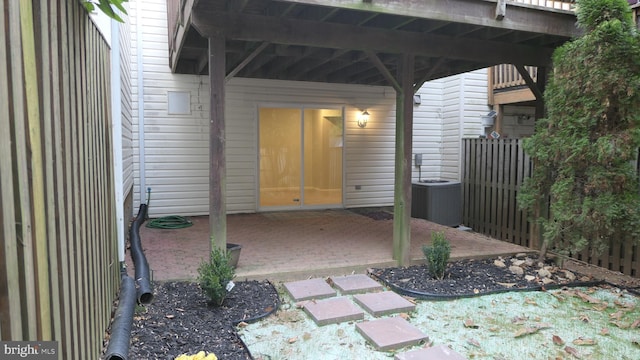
pixel 390 333
pixel 383 303
pixel 354 284
pixel 309 289
pixel 333 311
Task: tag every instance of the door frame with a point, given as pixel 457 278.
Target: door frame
pixel 301 107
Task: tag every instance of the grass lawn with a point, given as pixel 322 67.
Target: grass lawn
pixel 580 323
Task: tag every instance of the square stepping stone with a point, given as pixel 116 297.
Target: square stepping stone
pixel 390 333
pixel 440 352
pixel 352 284
pixel 333 311
pixel 309 289
pixel 384 303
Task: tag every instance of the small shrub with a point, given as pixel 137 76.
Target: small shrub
pixel 437 255
pixel 213 276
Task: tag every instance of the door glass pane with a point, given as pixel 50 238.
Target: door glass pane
pixel 322 156
pixel 280 156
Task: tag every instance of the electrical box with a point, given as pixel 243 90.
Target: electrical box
pixel 418 159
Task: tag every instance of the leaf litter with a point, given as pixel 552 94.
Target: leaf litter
pixel 515 325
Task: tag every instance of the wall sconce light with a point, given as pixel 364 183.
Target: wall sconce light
pixel 363 119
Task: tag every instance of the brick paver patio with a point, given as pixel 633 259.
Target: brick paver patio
pixel 282 246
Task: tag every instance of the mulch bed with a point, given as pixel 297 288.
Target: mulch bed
pixel 180 319
pixel 469 277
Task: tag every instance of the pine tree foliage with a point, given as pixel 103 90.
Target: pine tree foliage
pixel 584 151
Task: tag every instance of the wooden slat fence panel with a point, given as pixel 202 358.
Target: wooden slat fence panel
pixel 492 172
pixel 59 270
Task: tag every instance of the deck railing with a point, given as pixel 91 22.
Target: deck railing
pixel 555 4
pixel 507 76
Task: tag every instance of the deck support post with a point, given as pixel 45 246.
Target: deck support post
pixel 404 138
pixel 217 161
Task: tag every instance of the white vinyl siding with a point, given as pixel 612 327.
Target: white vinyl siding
pixel 126 114
pixel 427 131
pixel 368 152
pixel 176 147
pixel 450 109
pixel 464 101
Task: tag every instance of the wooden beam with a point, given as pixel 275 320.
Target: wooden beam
pixel 490 91
pixel 383 70
pixel 513 96
pixel 435 67
pixel 541 85
pixel 475 12
pixel 530 83
pixel 340 36
pixel 402 187
pixel 217 162
pixel 246 61
pixel 203 61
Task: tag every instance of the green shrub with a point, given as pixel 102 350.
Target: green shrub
pixel 213 276
pixel 437 255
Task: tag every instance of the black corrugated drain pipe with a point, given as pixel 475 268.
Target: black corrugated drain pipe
pixel 143 280
pixel 118 347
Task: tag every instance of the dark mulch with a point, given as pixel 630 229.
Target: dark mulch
pixel 476 277
pixel 180 320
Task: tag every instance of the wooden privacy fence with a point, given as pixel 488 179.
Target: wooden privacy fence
pixel 492 172
pixel 59 269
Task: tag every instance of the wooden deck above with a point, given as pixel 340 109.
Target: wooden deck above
pixel 359 41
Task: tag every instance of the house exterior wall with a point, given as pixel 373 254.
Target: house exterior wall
pixel 126 110
pixel 427 131
pixel 518 121
pixel 171 155
pixel 450 110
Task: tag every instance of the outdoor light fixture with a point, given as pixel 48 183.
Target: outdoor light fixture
pixel 363 119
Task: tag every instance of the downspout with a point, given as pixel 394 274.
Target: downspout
pixel 140 66
pixel 116 133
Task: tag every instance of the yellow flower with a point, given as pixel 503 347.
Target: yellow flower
pixel 199 356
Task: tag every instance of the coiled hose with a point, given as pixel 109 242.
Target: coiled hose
pixel 169 222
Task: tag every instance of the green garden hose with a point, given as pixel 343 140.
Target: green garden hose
pixel 169 222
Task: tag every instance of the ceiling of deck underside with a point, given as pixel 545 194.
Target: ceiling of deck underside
pixel 358 42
